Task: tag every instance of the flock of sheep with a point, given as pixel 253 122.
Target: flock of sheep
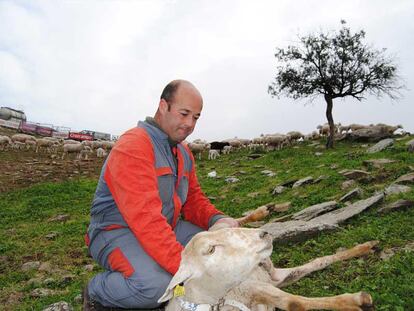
pixel 266 142
pixel 52 145
pixel 269 142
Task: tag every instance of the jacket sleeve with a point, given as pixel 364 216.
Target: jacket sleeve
pixel 132 181
pixel 198 208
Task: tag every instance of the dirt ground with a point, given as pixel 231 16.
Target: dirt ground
pixel 23 168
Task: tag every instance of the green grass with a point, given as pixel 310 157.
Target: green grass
pixel 25 222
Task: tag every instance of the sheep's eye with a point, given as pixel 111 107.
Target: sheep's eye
pixel 211 250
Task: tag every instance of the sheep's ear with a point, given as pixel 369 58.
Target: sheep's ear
pixel 182 275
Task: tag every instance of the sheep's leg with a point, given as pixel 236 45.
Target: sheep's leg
pixel 263 293
pixel 284 277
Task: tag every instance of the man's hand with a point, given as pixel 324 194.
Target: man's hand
pixel 226 222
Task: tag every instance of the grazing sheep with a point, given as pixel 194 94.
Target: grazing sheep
pixel 354 127
pixel 218 145
pixel 22 138
pixel 72 148
pixel 295 135
pixel 85 152
pixel 276 141
pixel 230 269
pixel 198 148
pixel 213 154
pixel 227 149
pixel 46 144
pixel 101 153
pixel 5 142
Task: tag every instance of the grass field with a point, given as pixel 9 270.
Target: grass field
pixel 29 232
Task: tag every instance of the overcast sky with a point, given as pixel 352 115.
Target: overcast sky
pixel 101 65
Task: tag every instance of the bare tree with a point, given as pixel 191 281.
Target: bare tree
pixel 337 64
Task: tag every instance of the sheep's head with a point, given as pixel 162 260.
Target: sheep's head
pixel 214 262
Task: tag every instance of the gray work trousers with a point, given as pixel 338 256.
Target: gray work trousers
pixel 141 289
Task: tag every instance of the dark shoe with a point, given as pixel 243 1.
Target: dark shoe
pixel 89 304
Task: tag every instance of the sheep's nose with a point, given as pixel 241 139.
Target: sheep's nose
pixel 263 234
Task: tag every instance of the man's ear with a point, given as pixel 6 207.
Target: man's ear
pixel 183 274
pixel 163 106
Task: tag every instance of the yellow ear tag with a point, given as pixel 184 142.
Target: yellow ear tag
pixel 179 291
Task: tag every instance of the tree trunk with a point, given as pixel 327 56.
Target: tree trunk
pixel 329 104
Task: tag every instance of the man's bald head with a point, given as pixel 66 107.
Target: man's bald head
pixel 171 89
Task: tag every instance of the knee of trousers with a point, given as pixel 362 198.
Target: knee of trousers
pixel 148 292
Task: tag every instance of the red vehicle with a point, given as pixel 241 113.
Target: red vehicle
pixel 79 136
pixel 28 128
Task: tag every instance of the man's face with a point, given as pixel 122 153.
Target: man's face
pixel 180 116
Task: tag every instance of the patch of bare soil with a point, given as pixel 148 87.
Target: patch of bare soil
pixel 24 168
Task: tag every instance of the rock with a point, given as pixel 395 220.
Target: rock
pixel 301 230
pixel 381 145
pixel 348 184
pixel 410 145
pixel 51 235
pixel 405 179
pixel 46 267
pixel 59 306
pixel 278 190
pixel 395 189
pixel 378 163
pixel 89 267
pixel 253 194
pixel 268 173
pixel 397 205
pixel 31 265
pixel 67 278
pixel 282 207
pixel 354 174
pixel 78 299
pixel 373 133
pixel 49 281
pixel 34 282
pixel 232 179
pixel 314 210
pixel 212 174
pixel 319 179
pixel 318 154
pixel 254 156
pixel 386 254
pixel 303 181
pixel 41 292
pixel 289 183
pixel 59 218
pixel 355 193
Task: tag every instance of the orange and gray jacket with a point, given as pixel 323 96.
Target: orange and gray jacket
pixel 143 188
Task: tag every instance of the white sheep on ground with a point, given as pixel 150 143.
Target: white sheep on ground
pixel 275 141
pixel 230 269
pixel 295 135
pixel 101 153
pixel 72 148
pixel 5 142
pixel 18 145
pixel 46 144
pixel 213 154
pixel 85 152
pixel 198 148
pixel 227 149
pixel 22 138
pixel 354 127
